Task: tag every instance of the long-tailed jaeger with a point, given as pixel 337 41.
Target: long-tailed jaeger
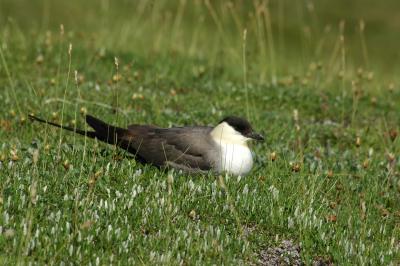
pixel 194 149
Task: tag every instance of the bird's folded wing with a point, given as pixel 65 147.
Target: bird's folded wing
pixel 186 147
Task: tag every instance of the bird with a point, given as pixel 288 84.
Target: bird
pixel 192 149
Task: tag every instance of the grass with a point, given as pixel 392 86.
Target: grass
pixel 326 97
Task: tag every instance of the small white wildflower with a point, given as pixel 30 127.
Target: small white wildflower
pixel 116 62
pixel 295 115
pixel 245 190
pixel 76 76
pixel 25 229
pixel 35 156
pixel 130 203
pixel 218 233
pixel 290 222
pixel 274 191
pixel 152 255
pixel 58 216
pixel 370 152
pixel 191 185
pixel 137 173
pixel 6 218
pixel 170 179
pixel 9 233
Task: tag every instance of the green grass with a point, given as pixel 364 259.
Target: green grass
pixel 67 199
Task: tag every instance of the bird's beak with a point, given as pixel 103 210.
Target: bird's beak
pixel 255 136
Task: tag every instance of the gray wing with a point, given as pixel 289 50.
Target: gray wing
pixel 185 148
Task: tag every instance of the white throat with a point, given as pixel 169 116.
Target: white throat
pixel 234 155
pixel 225 133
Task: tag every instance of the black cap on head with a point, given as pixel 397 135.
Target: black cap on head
pixel 239 124
pixel 243 126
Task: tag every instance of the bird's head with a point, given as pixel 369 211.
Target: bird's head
pixel 235 130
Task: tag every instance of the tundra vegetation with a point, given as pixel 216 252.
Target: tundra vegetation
pixel 320 79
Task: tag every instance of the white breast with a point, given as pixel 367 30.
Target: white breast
pixel 234 158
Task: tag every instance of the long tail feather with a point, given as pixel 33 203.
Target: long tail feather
pixel 90 134
pixel 102 131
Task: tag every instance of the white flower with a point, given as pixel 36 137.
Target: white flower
pixel 245 190
pixel 274 191
pixel 290 222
